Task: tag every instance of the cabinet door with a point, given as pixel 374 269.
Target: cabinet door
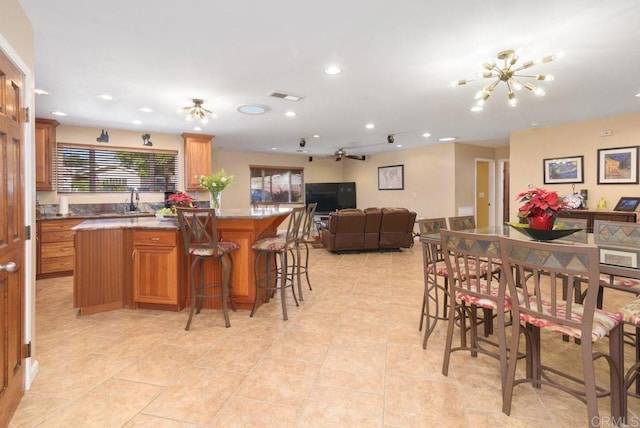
pixel 197 159
pixel 45 140
pixel 155 274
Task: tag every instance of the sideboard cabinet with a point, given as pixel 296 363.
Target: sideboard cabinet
pixel 592 215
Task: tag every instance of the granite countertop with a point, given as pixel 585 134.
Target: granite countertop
pixel 129 221
pixel 88 216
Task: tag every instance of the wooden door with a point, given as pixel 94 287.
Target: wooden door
pixel 483 202
pixel 12 275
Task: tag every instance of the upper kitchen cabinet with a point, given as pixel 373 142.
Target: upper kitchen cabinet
pixel 45 145
pixel 197 158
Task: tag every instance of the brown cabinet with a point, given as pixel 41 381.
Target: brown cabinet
pixel 197 159
pixel 593 215
pixel 55 248
pixel 156 260
pixel 45 141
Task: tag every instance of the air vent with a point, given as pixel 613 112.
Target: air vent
pixel 286 96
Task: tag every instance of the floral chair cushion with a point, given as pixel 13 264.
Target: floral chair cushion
pixel 223 248
pixel 620 282
pixel 486 302
pixel 275 243
pixel 630 313
pixel 603 321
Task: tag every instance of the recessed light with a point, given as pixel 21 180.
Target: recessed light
pixel 476 108
pixel 106 97
pixel 40 92
pixel 252 109
pixel 136 122
pixel 197 128
pixel 316 135
pixel 274 148
pixel 426 135
pixel 58 113
pixel 369 126
pixel 146 109
pixel 398 145
pixel 638 95
pixel 290 114
pixel 444 139
pixel 332 70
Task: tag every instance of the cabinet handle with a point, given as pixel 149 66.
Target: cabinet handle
pixel 65 264
pixel 65 249
pixel 133 253
pixel 154 239
pixel 67 236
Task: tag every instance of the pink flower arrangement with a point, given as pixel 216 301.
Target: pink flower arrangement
pixel 538 201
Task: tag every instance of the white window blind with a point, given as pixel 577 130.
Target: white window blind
pixel 83 168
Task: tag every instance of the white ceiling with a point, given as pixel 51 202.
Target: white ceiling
pixel 397 59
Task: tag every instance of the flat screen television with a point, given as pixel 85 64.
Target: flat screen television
pixel 330 196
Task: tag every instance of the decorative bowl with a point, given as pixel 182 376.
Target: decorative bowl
pixel 544 235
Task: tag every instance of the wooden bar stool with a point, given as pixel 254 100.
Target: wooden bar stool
pixel 304 239
pixel 200 237
pixel 281 245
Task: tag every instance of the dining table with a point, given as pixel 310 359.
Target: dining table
pixel 616 259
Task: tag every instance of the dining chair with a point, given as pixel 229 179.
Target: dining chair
pixel 462 222
pixel 283 278
pixel 200 240
pixel 465 253
pixel 541 308
pixel 434 267
pixel 304 238
pixel 574 223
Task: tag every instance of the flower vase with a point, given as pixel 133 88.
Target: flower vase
pixel 214 200
pixel 538 219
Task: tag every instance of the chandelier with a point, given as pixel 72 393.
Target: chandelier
pixel 197 111
pixel 505 70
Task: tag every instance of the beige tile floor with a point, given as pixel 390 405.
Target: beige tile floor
pixel 349 356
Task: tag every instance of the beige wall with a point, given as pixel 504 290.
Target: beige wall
pixel 17 30
pixel 429 187
pixel 530 147
pixel 237 195
pixel 437 179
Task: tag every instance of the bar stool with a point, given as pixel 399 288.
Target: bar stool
pixel 281 245
pixel 200 238
pixel 304 239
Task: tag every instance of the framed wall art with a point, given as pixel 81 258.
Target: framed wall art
pixel 564 170
pixel 391 177
pixel 618 165
pixel 628 204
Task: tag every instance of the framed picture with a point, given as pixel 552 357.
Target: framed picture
pixel 564 170
pixel 623 258
pixel 618 166
pixel 391 177
pixel 629 204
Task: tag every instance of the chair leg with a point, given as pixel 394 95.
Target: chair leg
pixel 225 290
pixel 590 383
pixel 297 267
pixel 510 378
pixel 449 340
pixel 283 281
pixel 200 299
pixel 192 298
pixel 616 374
pixel 256 272
pixel 306 265
pixel 230 284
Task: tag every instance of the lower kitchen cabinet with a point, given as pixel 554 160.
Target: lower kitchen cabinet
pixel 156 273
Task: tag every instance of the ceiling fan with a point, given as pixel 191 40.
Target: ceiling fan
pixel 342 153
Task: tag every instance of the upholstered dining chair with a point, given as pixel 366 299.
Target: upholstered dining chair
pixel 464 222
pixel 434 266
pixel 545 265
pixel 200 239
pixel 304 238
pixel 465 253
pixel 281 245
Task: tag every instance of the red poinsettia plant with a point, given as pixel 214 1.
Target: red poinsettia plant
pixel 538 201
pixel 180 200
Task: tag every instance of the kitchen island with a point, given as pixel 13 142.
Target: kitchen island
pixel 140 263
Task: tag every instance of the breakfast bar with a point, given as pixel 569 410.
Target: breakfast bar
pixel 139 262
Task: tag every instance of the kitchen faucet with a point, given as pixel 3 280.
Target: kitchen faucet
pixel 132 206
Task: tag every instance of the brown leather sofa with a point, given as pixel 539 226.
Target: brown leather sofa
pixel 371 229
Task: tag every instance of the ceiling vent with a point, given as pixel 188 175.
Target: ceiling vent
pixel 286 96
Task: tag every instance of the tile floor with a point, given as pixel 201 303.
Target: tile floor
pixel 349 356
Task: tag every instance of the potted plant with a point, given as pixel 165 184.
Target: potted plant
pixel 540 207
pixel 180 200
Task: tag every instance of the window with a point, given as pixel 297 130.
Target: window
pixel 82 168
pixel 276 184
